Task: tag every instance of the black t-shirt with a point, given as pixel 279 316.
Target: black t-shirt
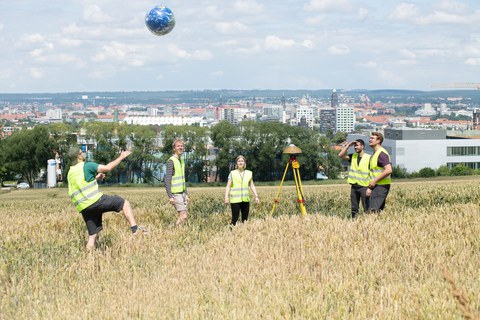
pixel 350 157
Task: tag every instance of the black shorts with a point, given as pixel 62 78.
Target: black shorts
pixel 93 214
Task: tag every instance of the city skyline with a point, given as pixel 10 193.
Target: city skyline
pixel 73 45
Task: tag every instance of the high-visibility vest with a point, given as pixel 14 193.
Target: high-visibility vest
pixel 239 186
pixel 375 170
pixel 82 193
pixel 178 179
pixel 359 173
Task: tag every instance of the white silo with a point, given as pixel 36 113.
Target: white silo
pixel 51 173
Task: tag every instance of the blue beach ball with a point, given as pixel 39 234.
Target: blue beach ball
pixel 160 20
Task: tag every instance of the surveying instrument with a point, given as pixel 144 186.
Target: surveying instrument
pixel 293 150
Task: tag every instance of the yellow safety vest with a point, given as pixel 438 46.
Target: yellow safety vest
pixel 375 170
pixel 359 173
pixel 82 193
pixel 239 187
pixel 178 179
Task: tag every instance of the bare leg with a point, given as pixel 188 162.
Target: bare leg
pixel 91 242
pixel 128 213
pixel 182 216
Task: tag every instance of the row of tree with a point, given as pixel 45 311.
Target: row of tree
pixel 25 153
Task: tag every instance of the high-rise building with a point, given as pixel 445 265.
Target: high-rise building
pixel 334 99
pixel 476 119
pixel 344 119
pixel 327 119
pixel 307 113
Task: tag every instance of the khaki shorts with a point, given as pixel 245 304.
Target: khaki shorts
pixel 180 201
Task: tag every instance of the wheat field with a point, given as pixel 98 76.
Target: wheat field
pixel 419 259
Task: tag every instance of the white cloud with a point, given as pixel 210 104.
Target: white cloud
pixel 69 42
pixel 176 53
pixel 406 62
pixel 408 54
pixel 316 20
pixel 104 71
pixel 473 61
pixel 36 73
pixel 254 49
pixel 34 38
pixel 440 17
pixel 230 27
pixel 119 52
pixel 338 49
pixel 390 78
pixel 217 74
pixel 277 43
pixel 94 14
pixel 404 11
pixel 202 55
pixel 309 44
pixel 212 12
pixel 36 53
pixel 1 27
pixel 471 50
pixel 451 6
pixel 432 53
pixel 362 13
pixel 248 7
pixel 339 6
pixel 368 64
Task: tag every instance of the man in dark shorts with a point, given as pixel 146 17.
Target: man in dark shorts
pixel 88 200
pixel 380 171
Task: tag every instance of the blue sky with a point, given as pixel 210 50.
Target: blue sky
pixel 104 45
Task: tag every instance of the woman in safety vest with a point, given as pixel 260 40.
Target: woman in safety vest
pixel 237 190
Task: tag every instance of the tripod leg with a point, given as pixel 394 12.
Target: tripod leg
pixel 298 186
pixel 279 189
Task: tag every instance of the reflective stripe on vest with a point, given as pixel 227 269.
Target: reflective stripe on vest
pixel 239 187
pixel 178 179
pixel 82 193
pixel 359 173
pixel 375 170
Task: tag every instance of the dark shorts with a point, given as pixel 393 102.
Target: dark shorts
pixel 93 214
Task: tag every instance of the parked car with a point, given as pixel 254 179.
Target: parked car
pixel 321 175
pixel 23 185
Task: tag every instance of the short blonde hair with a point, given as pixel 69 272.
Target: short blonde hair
pixel 177 140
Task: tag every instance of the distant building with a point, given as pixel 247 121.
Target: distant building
pixel 427 110
pixel 176 121
pixel 327 119
pixel 234 115
pixel 344 119
pixel 54 114
pixel 334 99
pixel 415 149
pixel 476 119
pixel 305 113
pixel 272 113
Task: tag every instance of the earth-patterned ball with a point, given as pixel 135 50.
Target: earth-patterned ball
pixel 160 20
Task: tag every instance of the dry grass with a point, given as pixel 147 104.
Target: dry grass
pixel 323 266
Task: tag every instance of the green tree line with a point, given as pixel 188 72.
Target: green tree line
pixel 24 154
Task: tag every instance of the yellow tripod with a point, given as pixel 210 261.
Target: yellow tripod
pixel 293 150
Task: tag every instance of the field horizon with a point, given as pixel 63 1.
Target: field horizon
pixel 418 259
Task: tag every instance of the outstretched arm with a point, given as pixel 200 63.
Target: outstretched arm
pixel 104 168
